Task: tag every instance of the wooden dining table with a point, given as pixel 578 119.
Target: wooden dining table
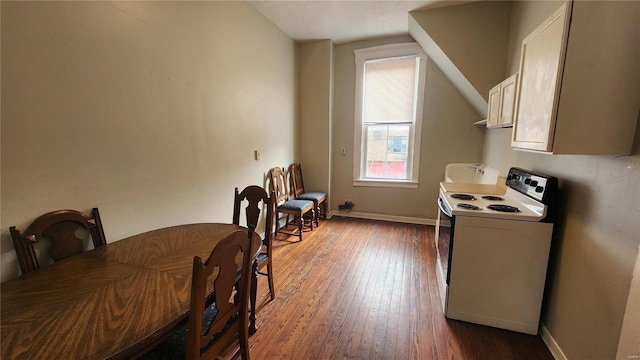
pixel 113 302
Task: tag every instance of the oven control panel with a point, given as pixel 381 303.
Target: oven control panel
pixel 537 186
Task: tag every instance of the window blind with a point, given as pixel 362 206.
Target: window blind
pixel 389 92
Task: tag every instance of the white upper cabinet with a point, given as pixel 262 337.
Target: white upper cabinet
pixel 493 114
pixel 579 88
pixel 502 99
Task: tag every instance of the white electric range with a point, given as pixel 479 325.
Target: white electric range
pixel 493 247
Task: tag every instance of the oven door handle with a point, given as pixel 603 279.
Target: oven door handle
pixel 442 207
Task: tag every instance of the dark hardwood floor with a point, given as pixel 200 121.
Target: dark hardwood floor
pixel 367 289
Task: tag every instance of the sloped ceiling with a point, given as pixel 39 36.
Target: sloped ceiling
pixel 342 21
pixel 468 40
pixel 468 43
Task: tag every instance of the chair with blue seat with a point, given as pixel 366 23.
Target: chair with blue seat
pixel 299 192
pixel 213 326
pixel 286 204
pixel 256 198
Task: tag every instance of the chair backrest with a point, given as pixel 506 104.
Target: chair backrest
pixel 207 339
pixel 278 184
pixel 296 181
pixel 255 195
pixel 60 227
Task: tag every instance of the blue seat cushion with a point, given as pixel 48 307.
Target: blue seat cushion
pixel 297 205
pixel 261 257
pixel 175 347
pixel 316 196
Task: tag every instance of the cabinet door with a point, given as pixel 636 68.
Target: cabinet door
pixel 541 66
pixel 508 100
pixel 493 113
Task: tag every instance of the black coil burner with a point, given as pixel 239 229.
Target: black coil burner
pixel 503 208
pixel 492 198
pixel 466 197
pixel 468 206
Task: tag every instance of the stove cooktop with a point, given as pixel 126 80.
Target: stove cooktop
pixel 529 196
pixel 511 205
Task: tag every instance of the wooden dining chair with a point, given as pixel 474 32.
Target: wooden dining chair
pixel 299 192
pixel 286 204
pixel 60 227
pixel 214 326
pixel 257 198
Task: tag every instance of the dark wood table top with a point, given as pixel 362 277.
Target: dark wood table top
pixel 109 302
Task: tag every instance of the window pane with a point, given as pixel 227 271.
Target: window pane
pixel 386 151
pixel 389 89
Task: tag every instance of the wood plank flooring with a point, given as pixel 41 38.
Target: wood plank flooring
pixel 366 289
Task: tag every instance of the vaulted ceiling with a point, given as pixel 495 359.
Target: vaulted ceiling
pixel 342 21
pixel 467 42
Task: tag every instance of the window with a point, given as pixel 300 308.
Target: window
pixel 389 96
pixel 397 144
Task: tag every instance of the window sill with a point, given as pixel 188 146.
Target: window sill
pixel 386 183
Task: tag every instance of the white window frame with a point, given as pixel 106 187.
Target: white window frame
pixel 383 52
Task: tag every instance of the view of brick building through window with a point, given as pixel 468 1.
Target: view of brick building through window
pixel 387 151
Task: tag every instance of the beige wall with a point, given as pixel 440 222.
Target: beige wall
pixel 315 64
pixel 448 135
pixel 596 240
pixel 474 37
pixel 150 111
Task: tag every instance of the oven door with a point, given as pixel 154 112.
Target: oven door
pixel 444 240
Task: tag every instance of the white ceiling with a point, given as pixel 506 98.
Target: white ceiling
pixel 342 21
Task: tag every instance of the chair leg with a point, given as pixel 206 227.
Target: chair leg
pixel 252 297
pixel 300 221
pixel 314 214
pixel 317 215
pixel 272 289
pixel 244 342
pixel 311 219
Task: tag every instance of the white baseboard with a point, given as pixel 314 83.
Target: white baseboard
pixel 401 219
pixel 551 343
